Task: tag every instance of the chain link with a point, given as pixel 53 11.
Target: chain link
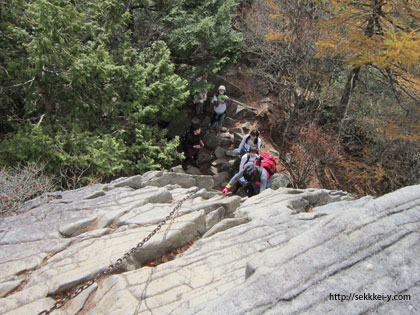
pixel 112 267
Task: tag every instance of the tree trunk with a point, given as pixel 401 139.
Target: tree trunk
pixel 345 98
pixel 373 27
pixel 289 126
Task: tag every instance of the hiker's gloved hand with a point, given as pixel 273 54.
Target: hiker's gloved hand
pixel 226 189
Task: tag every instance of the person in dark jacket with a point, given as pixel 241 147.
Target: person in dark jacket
pixel 191 145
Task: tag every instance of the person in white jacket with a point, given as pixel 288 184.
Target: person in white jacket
pixel 247 141
pixel 220 102
pixel 250 139
pixel 249 157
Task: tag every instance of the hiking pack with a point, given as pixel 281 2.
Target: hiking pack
pixel 182 141
pixel 267 161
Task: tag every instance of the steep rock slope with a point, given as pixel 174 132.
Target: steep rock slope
pixel 259 255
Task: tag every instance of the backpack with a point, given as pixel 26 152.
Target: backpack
pixel 267 161
pixel 182 141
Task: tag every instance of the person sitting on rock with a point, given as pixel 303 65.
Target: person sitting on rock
pixel 258 175
pixel 250 139
pixel 191 144
pixel 246 158
pixel 220 102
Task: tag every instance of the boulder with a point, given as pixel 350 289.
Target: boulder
pixel 177 169
pixel 237 138
pixel 246 127
pixel 237 130
pixel 225 167
pixel 231 153
pixel 219 152
pixel 222 165
pixel 219 162
pixel 231 109
pixel 226 136
pixel 229 121
pixel 204 157
pixel 213 170
pixel 280 180
pixel 212 141
pixel 220 179
pixel 193 171
pixel 243 112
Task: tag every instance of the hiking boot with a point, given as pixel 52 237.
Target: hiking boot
pixel 195 164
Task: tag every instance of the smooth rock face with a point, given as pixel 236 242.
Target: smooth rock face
pixel 264 255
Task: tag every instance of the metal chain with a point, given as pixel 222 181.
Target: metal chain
pixel 112 267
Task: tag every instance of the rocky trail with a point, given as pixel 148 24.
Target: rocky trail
pixel 263 254
pixel 217 156
pixel 284 251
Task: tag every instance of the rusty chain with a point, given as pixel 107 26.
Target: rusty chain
pixel 71 294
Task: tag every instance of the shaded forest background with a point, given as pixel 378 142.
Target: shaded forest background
pixel 88 88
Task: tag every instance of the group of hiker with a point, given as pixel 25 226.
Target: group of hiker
pixel 252 169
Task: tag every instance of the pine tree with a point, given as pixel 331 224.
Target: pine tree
pixel 88 86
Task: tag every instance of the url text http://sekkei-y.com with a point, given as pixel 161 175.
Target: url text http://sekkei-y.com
pixel 368 297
